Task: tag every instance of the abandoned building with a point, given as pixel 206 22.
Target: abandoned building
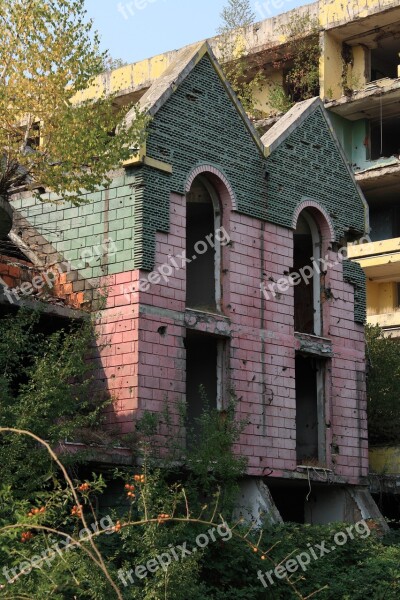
pixel 227 271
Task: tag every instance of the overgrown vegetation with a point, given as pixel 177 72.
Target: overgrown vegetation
pixel 245 79
pixel 350 82
pixel 46 388
pixel 299 64
pixel 136 514
pixel 383 385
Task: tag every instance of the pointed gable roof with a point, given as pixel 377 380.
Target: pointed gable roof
pixel 164 87
pixel 303 149
pixel 288 123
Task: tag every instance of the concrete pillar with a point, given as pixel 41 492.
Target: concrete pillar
pixel 255 503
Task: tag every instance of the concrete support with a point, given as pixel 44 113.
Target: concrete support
pixel 342 504
pixel 255 503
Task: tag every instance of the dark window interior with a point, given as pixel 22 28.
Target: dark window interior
pixel 303 292
pixel 200 274
pixel 385 222
pixel 385 58
pixel 201 375
pixel 306 410
pixel 385 137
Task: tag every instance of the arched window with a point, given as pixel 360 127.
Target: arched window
pixel 203 272
pixel 306 263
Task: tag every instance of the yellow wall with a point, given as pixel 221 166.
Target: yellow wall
pixel 357 74
pixel 335 12
pixel 129 77
pixel 262 98
pixel 381 298
pixel 385 460
pixel 331 66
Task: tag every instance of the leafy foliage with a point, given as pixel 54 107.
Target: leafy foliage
pixel 237 14
pixel 136 514
pixel 49 54
pixel 383 386
pixel 235 17
pixel 300 63
pixel 44 388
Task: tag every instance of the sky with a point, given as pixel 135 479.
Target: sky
pixel 133 30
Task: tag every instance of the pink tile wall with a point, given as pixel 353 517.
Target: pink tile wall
pixel 145 362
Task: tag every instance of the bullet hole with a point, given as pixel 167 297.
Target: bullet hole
pixel 162 331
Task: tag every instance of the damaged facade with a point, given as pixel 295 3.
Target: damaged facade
pixel 210 284
pixel 359 83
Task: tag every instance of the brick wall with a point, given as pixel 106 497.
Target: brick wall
pixel 144 366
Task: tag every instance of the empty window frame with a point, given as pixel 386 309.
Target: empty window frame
pixel 307 293
pixel 206 375
pixel 385 221
pixel 385 58
pixel 384 136
pixel 203 273
pixel 310 411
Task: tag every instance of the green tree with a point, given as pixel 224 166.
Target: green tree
pixel 46 387
pixel 383 387
pixel 237 14
pixel 299 64
pixel 235 17
pixel 49 54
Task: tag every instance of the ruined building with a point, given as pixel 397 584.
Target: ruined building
pixel 227 271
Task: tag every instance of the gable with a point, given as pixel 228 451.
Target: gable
pixel 309 163
pixel 198 124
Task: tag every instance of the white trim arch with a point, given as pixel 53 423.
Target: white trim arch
pixel 205 169
pixel 327 229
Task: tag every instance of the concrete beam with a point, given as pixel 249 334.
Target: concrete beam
pixel 44 307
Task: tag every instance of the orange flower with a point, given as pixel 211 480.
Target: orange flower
pixel 36 511
pixel 76 511
pixel 118 526
pixel 163 517
pixel 26 536
pixel 84 487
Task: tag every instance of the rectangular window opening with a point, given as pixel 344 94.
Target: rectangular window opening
pixel 385 58
pixel 206 377
pixel 384 219
pixel 310 412
pixel 385 136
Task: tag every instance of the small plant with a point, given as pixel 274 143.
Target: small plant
pixel 278 98
pixel 245 81
pixel 300 63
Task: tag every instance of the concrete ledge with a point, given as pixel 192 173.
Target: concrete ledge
pixel 42 306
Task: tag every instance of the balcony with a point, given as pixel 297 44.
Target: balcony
pixel 379 260
pixel 5 218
